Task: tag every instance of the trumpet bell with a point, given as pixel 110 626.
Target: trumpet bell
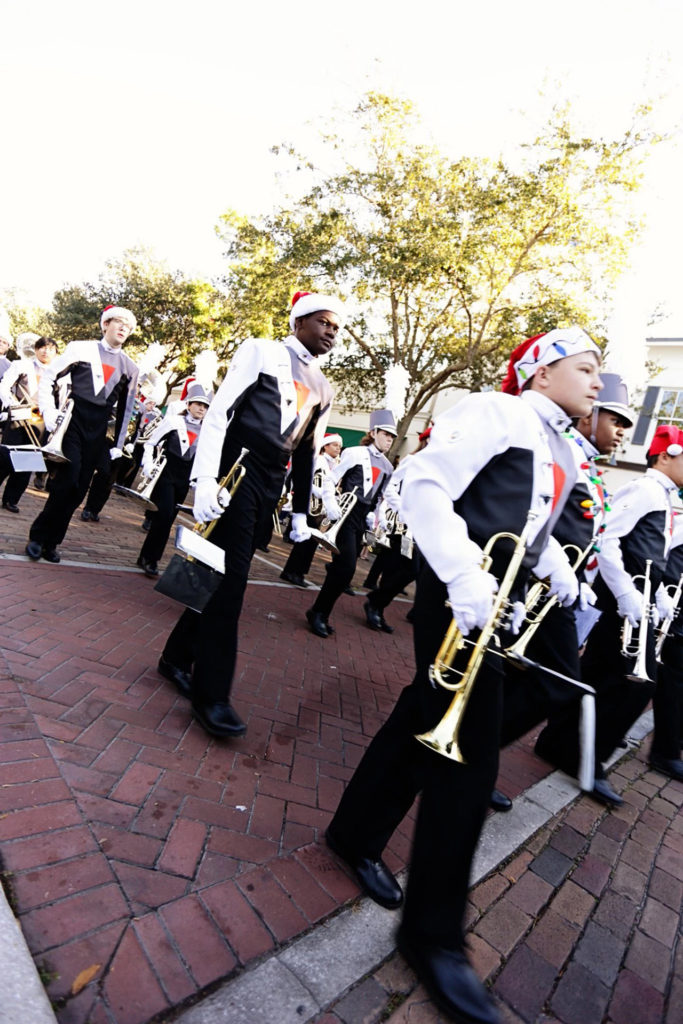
pixel 327 539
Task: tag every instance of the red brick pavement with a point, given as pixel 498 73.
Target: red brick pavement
pixel 131 841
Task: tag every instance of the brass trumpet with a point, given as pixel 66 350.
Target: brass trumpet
pixel 517 650
pixel 327 533
pixel 316 507
pixel 445 736
pixel 52 450
pixel 144 483
pixel 665 624
pixel 638 650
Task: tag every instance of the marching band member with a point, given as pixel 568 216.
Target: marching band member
pixel 275 402
pixel 19 386
pixel 531 696
pixel 103 383
pixel 491 461
pixel 365 470
pixel 399 569
pixel 667 702
pixel 176 438
pixel 301 555
pixel 638 530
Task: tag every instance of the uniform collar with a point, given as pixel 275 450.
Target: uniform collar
pixel 661 478
pixel 586 446
pixel 551 413
pixel 302 352
pixel 109 348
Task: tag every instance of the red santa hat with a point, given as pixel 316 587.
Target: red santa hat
pixel 120 313
pixel 305 303
pixel 667 438
pixel 332 439
pixel 542 350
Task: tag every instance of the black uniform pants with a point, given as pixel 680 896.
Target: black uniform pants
pixel 170 490
pixel 83 444
pixel 618 700
pixel 16 482
pixel 207 642
pixel 454 797
pixel 530 696
pixel 343 565
pixel 667 702
pixel 398 572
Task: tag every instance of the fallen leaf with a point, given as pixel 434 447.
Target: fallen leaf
pixel 85 976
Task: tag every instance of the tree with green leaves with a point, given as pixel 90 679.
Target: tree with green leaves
pixel 184 315
pixel 447 264
pixel 23 316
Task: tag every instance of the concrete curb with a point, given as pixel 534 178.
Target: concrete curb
pixel 24 1000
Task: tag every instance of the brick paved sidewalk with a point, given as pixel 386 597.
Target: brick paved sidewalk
pixel 139 851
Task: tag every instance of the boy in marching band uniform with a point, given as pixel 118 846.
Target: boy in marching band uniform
pixel 103 384
pixel 667 702
pixel 638 530
pixel 176 437
pixel 492 459
pixel 364 470
pixel 301 555
pixel 531 696
pixel 275 402
pixel 19 386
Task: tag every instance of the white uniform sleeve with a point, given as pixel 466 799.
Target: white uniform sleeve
pixel 9 378
pixel 552 558
pixel 629 504
pixel 346 462
pixel 392 494
pixel 437 476
pixel 243 372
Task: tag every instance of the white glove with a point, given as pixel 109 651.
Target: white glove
pixel 206 504
pixel 471 598
pixel 370 520
pixel 115 453
pixel 517 617
pixel 381 522
pixel 128 448
pixel 50 419
pixel 664 603
pixel 147 461
pixel 300 529
pixel 587 596
pixel 564 584
pixel 332 510
pixel 629 606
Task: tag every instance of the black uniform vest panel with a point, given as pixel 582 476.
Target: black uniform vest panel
pixel 355 477
pixel 257 422
pixel 486 513
pixel 572 527
pixel 646 540
pixel 672 574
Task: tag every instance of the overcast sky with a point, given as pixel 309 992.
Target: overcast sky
pixel 140 122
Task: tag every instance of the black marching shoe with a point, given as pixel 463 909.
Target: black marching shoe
pixel 34 550
pixel 88 516
pixel 376 620
pixel 604 794
pixel 672 766
pixel 330 629
pixel 317 623
pixel 373 876
pixel 219 719
pixel 450 980
pixel 51 555
pixel 295 578
pixel 350 591
pixel 149 568
pixel 9 506
pixel 181 679
pixel 499 802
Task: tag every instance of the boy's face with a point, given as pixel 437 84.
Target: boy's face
pixel 671 466
pixel 46 354
pixel 115 332
pixel 383 440
pixel 333 449
pixel 4 346
pixel 609 432
pixel 318 332
pixel 197 410
pixel 573 383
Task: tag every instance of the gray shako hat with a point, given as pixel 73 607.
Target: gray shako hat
pixel 613 397
pixel 383 419
pixel 196 393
